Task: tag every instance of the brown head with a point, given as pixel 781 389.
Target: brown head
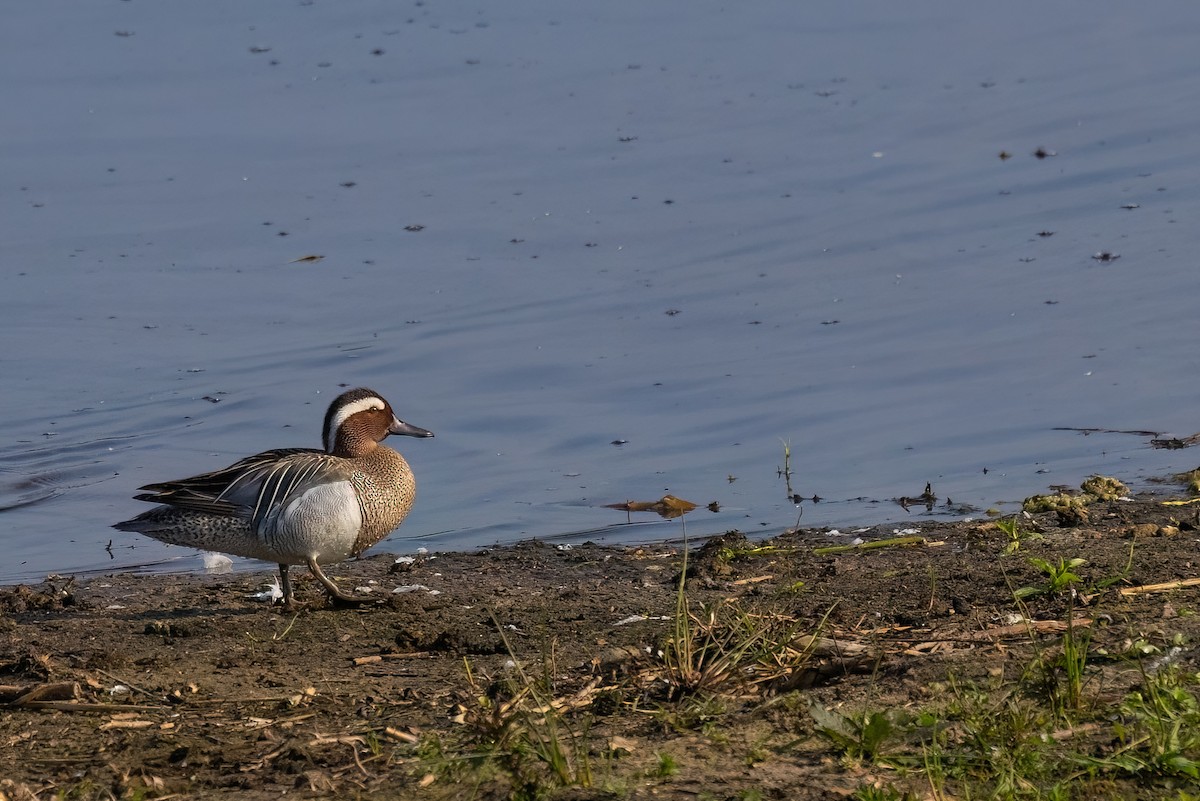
pixel 358 420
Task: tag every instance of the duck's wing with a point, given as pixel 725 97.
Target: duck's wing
pixel 266 489
pixel 246 488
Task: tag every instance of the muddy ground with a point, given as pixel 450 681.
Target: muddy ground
pixel 136 686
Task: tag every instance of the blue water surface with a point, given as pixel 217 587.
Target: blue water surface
pixel 700 230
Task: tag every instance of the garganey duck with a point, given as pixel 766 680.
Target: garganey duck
pixel 296 506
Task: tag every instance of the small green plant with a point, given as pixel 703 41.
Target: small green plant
pixel 1073 664
pixel 665 767
pixel 704 654
pixel 515 726
pixel 998 740
pixel 1060 675
pixel 758 752
pixel 1161 727
pixel 372 743
pixel 731 554
pixel 785 472
pixel 884 793
pixel 433 758
pixel 84 789
pixel 991 737
pixel 860 737
pixel 722 645
pixel 1012 528
pixel 1061 577
pixel 695 713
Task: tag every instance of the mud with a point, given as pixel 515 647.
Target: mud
pixel 136 686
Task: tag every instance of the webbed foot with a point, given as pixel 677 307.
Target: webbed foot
pixel 338 597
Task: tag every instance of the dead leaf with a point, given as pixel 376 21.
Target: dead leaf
pixel 403 736
pixel 667 506
pixel 319 781
pixel 754 580
pixel 304 697
pixel 619 743
pixel 345 739
pixel 126 724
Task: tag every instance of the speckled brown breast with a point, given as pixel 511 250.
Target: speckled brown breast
pixel 386 490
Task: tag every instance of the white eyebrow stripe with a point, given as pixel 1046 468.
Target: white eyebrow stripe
pixel 361 405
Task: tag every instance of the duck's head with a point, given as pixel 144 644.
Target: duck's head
pixel 360 418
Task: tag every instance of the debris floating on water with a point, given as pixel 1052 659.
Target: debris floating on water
pixel 667 506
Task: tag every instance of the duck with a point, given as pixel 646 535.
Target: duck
pixel 296 506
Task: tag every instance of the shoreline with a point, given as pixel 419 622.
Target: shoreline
pixel 185 685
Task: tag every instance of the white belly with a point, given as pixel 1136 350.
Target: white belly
pixel 322 523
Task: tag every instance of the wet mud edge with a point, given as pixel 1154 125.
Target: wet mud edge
pixel 166 684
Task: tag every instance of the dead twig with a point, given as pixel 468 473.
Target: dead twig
pixel 868 546
pixel 73 706
pixel 410 737
pixel 577 701
pixel 1025 629
pixel 1165 586
pixel 373 659
pixel 16 695
pixel 126 724
pixel 754 580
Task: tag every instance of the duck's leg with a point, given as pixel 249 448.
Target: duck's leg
pixel 285 584
pixel 332 588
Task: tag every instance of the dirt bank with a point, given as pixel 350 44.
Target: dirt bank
pixel 537 671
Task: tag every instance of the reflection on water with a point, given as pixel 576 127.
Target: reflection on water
pixel 611 254
pixel 20 490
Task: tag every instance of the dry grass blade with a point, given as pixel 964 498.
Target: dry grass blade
pixel 724 648
pixel 872 545
pixel 1165 586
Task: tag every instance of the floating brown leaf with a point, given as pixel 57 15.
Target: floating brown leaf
pixel 667 506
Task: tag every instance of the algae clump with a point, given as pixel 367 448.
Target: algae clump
pixel 1104 488
pixel 1192 479
pixel 1095 488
